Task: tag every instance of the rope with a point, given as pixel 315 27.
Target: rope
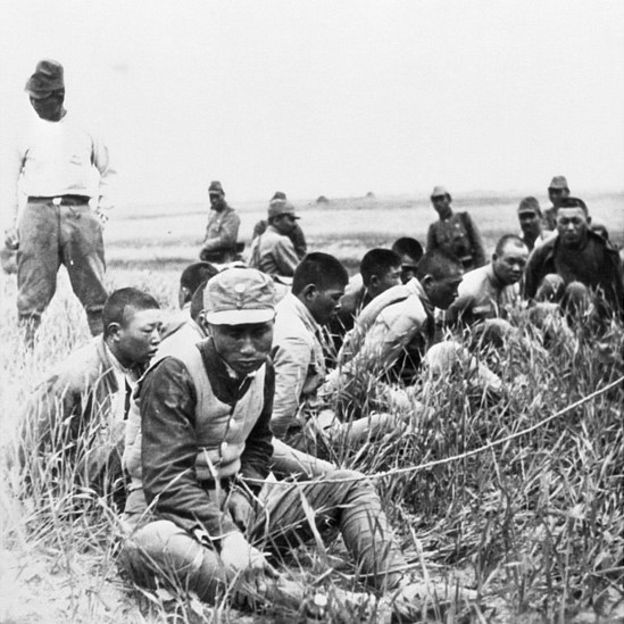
pixel 453 458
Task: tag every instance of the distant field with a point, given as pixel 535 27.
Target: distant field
pixel 150 236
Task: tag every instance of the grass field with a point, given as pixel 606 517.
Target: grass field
pixel 536 525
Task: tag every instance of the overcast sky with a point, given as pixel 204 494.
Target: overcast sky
pixel 333 97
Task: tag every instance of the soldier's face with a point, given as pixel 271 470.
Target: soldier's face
pixel 323 304
pixel 136 340
pixel 49 108
pixel 530 222
pixel 217 200
pixel 408 268
pixel 442 205
pixel 509 265
pixel 442 292
pixel 572 226
pixel 285 224
pixel 557 194
pixel 379 284
pixel 244 347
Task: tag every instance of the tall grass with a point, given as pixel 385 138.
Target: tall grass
pixel 536 525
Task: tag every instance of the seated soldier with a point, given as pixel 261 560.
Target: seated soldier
pixel 273 252
pixel 379 270
pixel 220 242
pixel 488 291
pixel 299 348
pixel 86 397
pixel 204 462
pixel 400 319
pixel 192 276
pixel 531 221
pixel 577 268
pixel 296 234
pixel 410 252
pixel 454 233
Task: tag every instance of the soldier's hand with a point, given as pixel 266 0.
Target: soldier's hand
pixel 238 555
pixel 11 239
pixel 240 508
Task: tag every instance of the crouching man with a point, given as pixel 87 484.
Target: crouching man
pixel 204 463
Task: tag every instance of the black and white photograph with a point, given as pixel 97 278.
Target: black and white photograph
pixel 311 312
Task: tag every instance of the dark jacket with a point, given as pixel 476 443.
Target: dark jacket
pixel 609 278
pixel 170 442
pixel 458 236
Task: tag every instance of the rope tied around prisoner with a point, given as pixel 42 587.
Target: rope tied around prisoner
pixel 453 458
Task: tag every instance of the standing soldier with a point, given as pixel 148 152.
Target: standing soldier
pixel 454 233
pixel 220 242
pixel 557 192
pixel 54 162
pixel 531 222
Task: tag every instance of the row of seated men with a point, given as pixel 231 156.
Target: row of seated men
pixel 211 414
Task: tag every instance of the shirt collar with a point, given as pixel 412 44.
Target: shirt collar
pixel 131 374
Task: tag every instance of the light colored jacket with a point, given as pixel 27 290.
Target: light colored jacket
pixel 382 330
pixel 273 253
pixel 299 361
pixel 222 232
pixel 480 296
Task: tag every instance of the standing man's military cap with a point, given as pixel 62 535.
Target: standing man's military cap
pixel 48 77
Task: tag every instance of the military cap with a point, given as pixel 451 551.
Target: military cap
pixel 559 182
pixel 439 191
pixel 239 296
pixel 529 204
pixel 215 187
pixel 279 207
pixel 48 77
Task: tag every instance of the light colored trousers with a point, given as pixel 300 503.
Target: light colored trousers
pixel 161 550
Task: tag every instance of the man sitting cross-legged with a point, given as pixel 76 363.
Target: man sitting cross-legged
pixel 79 411
pixel 204 463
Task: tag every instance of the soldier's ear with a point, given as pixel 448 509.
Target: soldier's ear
pixel 374 280
pixel 204 324
pixel 427 282
pixel 309 292
pixel 588 220
pixel 112 330
pixel 184 295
